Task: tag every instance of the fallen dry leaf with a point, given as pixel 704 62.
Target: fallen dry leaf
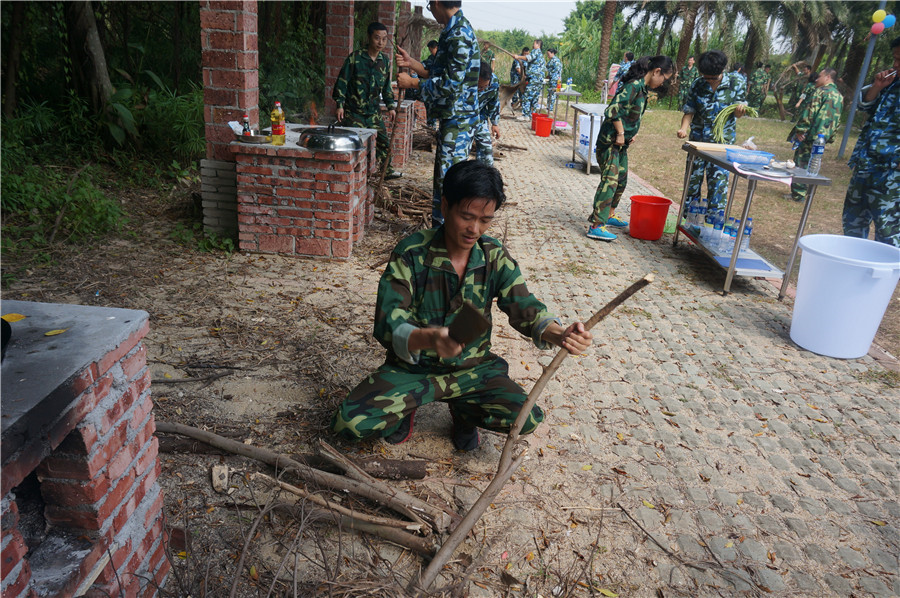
pixel 13 317
pixel 55 332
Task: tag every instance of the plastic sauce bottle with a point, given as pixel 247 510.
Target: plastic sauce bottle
pixel 246 127
pixel 815 158
pixel 277 118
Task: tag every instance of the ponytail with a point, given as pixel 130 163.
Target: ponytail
pixel 645 64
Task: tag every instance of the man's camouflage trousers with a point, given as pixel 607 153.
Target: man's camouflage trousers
pixel 482 396
pixel 482 143
pixel 801 159
pixel 551 100
pixel 373 121
pixel 716 183
pixel 873 197
pixel 531 98
pixel 613 163
pixel 454 142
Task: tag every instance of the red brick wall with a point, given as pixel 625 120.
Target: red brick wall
pixel 401 148
pixel 297 202
pixel 338 44
pixel 230 60
pixel 100 481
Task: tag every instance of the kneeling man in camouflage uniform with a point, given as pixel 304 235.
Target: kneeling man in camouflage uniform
pixel 430 276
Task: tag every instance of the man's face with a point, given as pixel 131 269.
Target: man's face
pixel 439 13
pixel 550 54
pixel 822 79
pixel 465 222
pixel 433 50
pixel 535 45
pixel 691 61
pixel 378 40
pixel 483 84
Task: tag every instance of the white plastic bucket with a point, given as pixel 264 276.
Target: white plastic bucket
pixel 843 290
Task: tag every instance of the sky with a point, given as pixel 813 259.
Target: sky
pixel 499 15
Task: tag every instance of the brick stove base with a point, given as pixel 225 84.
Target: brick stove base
pixel 82 510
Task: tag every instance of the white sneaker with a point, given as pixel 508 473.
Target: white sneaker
pixel 520 118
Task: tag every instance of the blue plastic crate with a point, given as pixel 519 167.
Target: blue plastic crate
pixel 748 156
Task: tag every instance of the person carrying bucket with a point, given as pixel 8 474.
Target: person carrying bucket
pixel 621 122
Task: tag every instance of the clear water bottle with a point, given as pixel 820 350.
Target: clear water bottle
pixel 815 158
pixel 748 230
pixel 689 213
pixel 718 227
pixel 726 233
pixel 701 214
pixel 706 233
pixel 732 234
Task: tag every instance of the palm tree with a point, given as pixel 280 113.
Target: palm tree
pixel 609 17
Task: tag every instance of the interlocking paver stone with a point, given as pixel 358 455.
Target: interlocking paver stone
pixel 875 586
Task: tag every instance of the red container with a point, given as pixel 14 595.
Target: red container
pixel 543 126
pixel 648 216
pixel 534 117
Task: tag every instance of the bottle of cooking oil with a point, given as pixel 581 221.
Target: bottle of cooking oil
pixel 277 117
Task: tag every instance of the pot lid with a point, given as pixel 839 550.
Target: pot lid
pixel 330 138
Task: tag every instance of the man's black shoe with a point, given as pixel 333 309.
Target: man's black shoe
pixel 465 438
pixel 404 432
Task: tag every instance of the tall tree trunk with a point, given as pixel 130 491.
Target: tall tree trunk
pixel 609 19
pixel 855 57
pixel 13 56
pixel 88 59
pixel 684 44
pixel 666 31
pixel 751 48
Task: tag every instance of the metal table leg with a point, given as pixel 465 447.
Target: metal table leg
pixel 731 191
pixel 751 188
pixel 688 166
pixel 590 153
pixel 811 191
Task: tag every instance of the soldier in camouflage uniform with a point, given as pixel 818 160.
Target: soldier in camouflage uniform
pixel 806 95
pixel 798 83
pixel 756 92
pixel 709 94
pixel 450 89
pixel 686 78
pixel 554 74
pixel 874 192
pixel 364 81
pixel 423 289
pixel 534 72
pixel 621 122
pixel 489 110
pixel 820 117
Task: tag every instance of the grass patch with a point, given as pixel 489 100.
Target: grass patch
pixel 887 378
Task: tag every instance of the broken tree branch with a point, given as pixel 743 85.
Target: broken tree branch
pixel 395 499
pixel 550 370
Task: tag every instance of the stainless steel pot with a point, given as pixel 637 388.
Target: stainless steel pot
pixel 331 139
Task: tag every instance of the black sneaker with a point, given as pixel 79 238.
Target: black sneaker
pixel 404 432
pixel 465 438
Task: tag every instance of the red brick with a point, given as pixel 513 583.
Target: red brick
pixel 64 517
pixel 113 415
pixel 20 587
pixel 123 349
pixel 333 215
pixel 154 513
pixel 74 494
pixel 140 413
pixel 157 568
pixel 14 552
pixel 341 248
pixel 257 170
pixel 219 59
pixel 79 441
pixel 276 244
pixel 248 60
pixel 114 499
pixel 313 247
pixel 217 20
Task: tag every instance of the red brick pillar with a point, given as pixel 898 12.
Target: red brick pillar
pixel 338 44
pixel 230 60
pixel 387 16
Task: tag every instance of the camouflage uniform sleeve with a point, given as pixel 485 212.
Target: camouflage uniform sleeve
pixel 340 86
pixel 493 106
pixel 740 90
pixel 393 309
pixel 808 116
pixel 526 314
pixel 387 93
pixel 690 100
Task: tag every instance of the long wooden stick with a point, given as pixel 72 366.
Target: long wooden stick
pixel 395 499
pixel 550 370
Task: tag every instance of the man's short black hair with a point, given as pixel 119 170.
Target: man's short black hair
pixel 433 43
pixel 485 72
pixel 472 179
pixel 375 26
pixel 451 3
pixel 759 65
pixel 525 50
pixel 629 55
pixel 712 63
pixel 539 42
pixel 895 43
pixel 768 66
pixel 830 72
pixel 551 51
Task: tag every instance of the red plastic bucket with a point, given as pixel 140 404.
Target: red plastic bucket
pixel 648 216
pixel 534 117
pixel 543 126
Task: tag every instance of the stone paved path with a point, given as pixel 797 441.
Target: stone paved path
pixel 773 468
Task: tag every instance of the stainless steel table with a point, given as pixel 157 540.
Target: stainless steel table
pixel 595 111
pixel 719 159
pixel 569 95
